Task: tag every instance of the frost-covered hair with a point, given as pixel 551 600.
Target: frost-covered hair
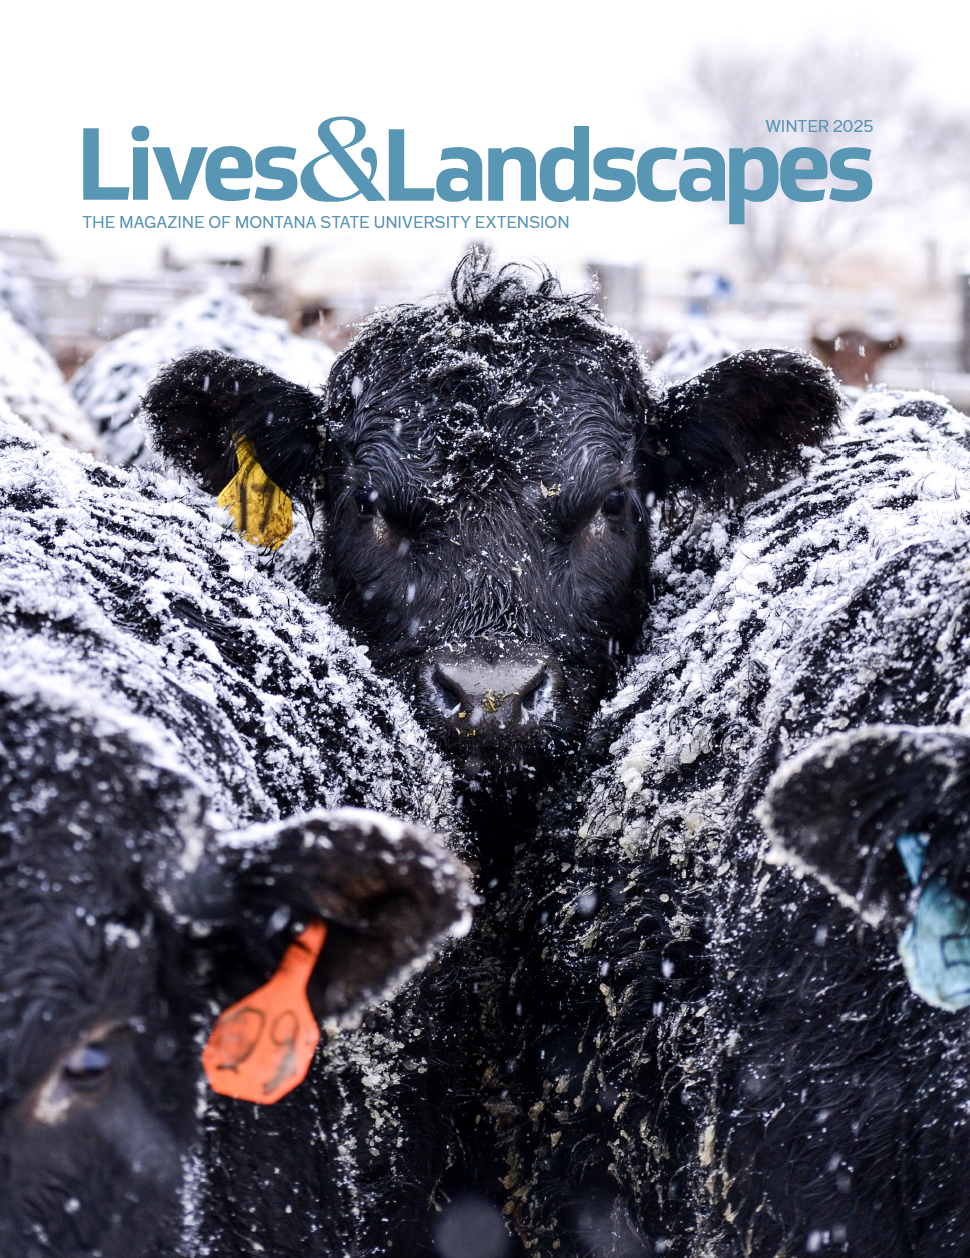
pixel 726 433
pixel 499 328
pixel 716 1055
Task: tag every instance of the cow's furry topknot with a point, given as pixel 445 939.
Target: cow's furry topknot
pixel 483 295
pixel 497 330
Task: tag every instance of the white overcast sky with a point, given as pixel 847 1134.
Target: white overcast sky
pixel 496 72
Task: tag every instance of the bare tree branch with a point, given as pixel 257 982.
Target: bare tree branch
pixel 917 151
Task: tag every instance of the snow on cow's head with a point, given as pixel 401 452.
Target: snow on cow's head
pixel 480 474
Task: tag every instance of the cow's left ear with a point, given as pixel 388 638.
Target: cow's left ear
pixel 388 893
pixel 736 429
pixel 839 809
pixel 200 408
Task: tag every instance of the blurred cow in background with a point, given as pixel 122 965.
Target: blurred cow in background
pixel 854 355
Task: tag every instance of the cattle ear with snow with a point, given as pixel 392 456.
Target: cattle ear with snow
pixel 201 405
pixel 387 892
pixel 839 810
pixel 736 429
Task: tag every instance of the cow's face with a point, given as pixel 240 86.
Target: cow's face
pixel 124 921
pixel 854 355
pixel 485 523
pixel 481 473
pixel 100 1087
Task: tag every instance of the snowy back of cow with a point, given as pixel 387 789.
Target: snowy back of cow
pixel 174 727
pixel 756 1063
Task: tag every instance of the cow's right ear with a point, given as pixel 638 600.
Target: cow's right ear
pixel 736 429
pixel 388 893
pixel 199 408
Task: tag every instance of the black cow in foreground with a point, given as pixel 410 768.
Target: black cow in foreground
pixel 480 475
pixel 176 734
pixel 734 937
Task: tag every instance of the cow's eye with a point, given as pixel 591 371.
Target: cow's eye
pixel 87 1066
pixel 366 500
pixel 615 502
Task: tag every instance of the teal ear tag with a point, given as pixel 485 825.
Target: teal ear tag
pixel 935 946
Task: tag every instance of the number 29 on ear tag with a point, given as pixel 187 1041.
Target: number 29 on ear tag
pixel 261 1047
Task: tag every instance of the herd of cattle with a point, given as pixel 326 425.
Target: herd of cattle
pixel 668 685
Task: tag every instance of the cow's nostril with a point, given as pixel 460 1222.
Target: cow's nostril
pixel 448 694
pixel 536 693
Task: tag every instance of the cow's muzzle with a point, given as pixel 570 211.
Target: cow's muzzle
pixel 495 693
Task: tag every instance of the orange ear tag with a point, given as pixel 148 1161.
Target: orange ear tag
pixel 261 1048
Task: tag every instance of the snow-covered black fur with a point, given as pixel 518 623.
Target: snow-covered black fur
pixel 179 735
pixel 483 469
pixel 718 1051
pixel 484 475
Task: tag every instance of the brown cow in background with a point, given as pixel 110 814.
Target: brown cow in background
pixel 854 355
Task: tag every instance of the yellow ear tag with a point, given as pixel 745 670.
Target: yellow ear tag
pixel 263 514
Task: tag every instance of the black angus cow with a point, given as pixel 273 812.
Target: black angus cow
pixel 717 1055
pixel 176 734
pixel 480 475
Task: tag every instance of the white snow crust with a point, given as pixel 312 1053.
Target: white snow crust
pixel 32 386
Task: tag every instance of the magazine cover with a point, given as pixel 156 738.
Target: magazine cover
pixel 484 611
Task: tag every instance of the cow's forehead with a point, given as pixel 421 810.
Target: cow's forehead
pixel 541 411
pixel 529 455
pixel 530 426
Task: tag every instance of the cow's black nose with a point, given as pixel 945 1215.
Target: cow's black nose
pixel 493 692
pixel 479 689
